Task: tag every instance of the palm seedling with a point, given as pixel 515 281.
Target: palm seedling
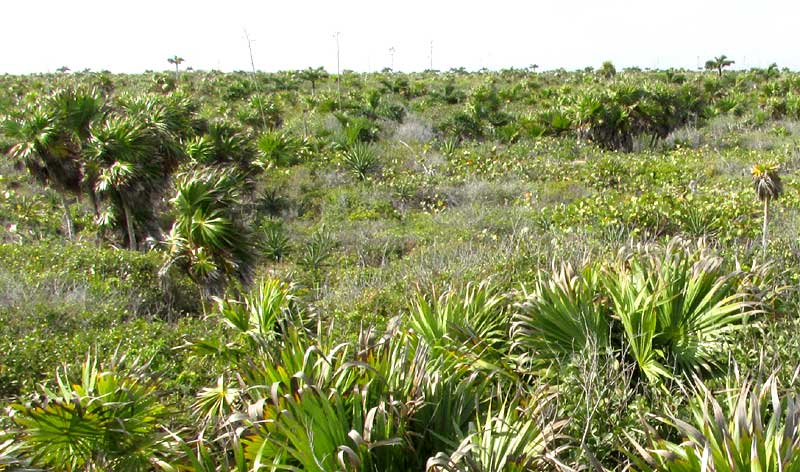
pixel 464 328
pixel 277 149
pixel 768 187
pixel 229 144
pixel 679 308
pixel 110 420
pixel 672 307
pixel 561 316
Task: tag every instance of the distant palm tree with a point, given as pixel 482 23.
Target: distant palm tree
pixel 313 76
pixel 719 63
pixel 768 187
pixel 63 69
pixel 177 61
pixel 608 70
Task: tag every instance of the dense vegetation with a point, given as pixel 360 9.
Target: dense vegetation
pixel 511 270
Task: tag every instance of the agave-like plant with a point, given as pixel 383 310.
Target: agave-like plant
pixel 509 439
pixel 199 456
pixel 111 420
pixel 322 429
pixel 9 454
pixel 750 428
pixel 258 317
pixel 360 159
pixel 275 243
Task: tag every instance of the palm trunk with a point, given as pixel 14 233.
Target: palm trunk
pixel 67 217
pixel 764 230
pixel 129 224
pixel 95 202
pixel 177 74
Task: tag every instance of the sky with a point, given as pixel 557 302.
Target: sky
pixel 134 36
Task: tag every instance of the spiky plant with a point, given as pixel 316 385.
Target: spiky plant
pixel 206 238
pixel 561 316
pixel 449 146
pixel 768 187
pixel 275 243
pixel 509 439
pixel 360 159
pixel 750 428
pixel 110 420
pixel 9 453
pixel 278 149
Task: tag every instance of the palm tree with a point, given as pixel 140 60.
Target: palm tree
pixel 719 63
pixel 313 76
pixel 177 61
pixel 49 139
pixel 206 239
pixel 44 153
pixel 124 160
pixel 768 186
pixel 608 70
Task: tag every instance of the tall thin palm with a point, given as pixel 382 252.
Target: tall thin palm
pixel 719 63
pixel 177 62
pixel 768 187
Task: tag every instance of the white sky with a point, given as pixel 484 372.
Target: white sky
pixel 133 36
